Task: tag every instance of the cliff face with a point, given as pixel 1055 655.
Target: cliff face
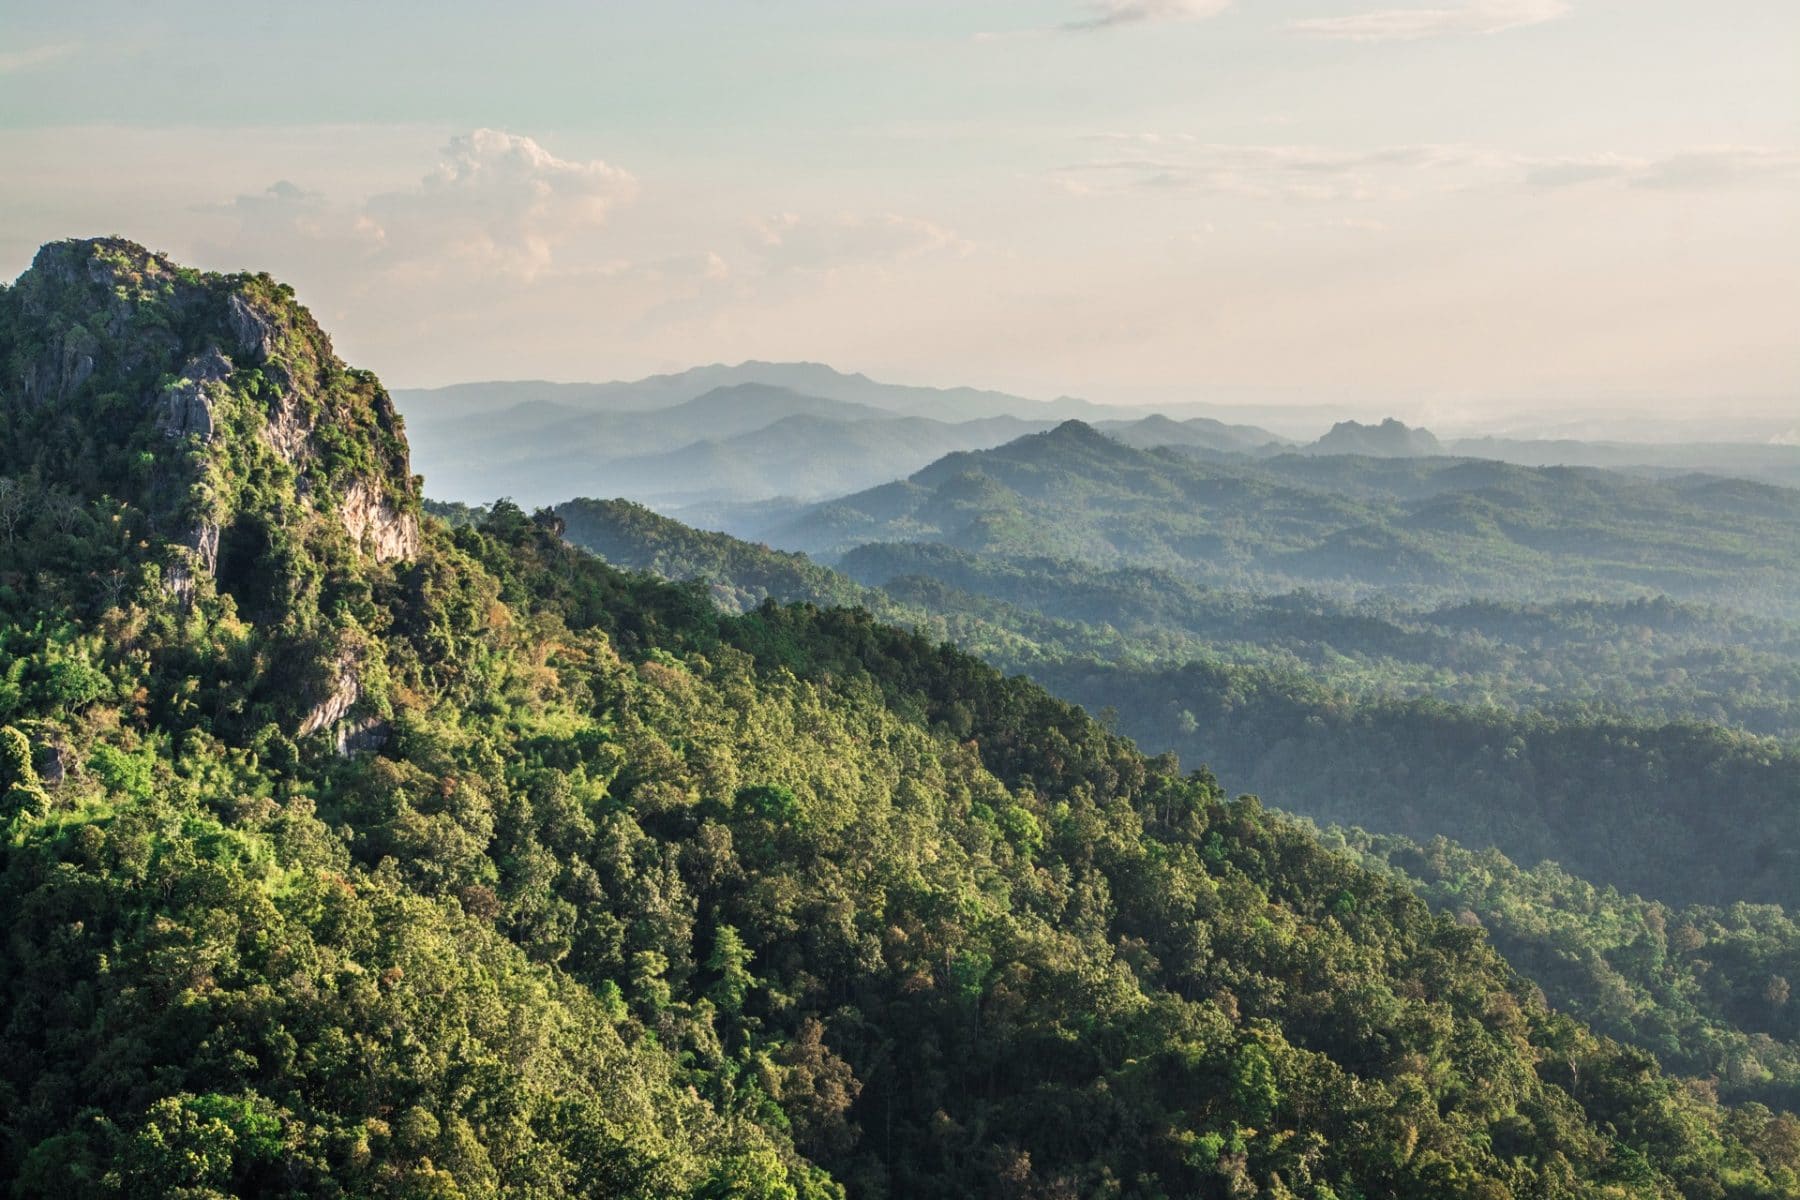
pixel 206 420
pixel 230 385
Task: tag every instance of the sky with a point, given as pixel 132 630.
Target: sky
pixel 1443 207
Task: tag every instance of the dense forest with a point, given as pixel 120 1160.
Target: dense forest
pixel 1706 988
pixel 1622 799
pixel 350 852
pixel 1644 807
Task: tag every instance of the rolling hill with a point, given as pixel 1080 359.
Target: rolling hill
pixel 1428 529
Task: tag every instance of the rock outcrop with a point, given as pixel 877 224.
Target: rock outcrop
pixel 346 690
pixel 377 526
pixel 187 404
pixel 255 445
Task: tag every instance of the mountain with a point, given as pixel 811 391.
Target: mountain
pixel 803 457
pixel 1390 439
pixel 738 443
pixel 610 894
pixel 1202 433
pixel 1429 530
pixel 810 379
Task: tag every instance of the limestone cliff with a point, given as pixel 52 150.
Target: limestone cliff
pixel 247 461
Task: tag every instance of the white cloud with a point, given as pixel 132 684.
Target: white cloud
pixel 499 202
pixel 1571 172
pixel 35 56
pixel 1149 162
pixel 1111 13
pixel 1720 166
pixel 496 205
pixel 1477 17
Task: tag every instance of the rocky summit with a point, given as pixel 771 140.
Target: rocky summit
pixel 206 420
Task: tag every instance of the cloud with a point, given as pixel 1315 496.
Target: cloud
pixel 1720 166
pixel 36 56
pixel 790 242
pixel 1571 172
pixel 499 202
pixel 496 205
pixel 1153 162
pixel 1109 14
pixel 1476 17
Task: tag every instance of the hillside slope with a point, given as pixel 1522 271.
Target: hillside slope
pixel 569 885
pixel 1711 1002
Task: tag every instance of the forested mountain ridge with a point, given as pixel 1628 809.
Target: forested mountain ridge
pixel 1662 804
pixel 1642 804
pixel 612 895
pixel 1431 529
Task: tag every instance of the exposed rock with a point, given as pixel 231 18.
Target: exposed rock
pixel 203 542
pixel 376 524
pixel 362 736
pixel 187 404
pixel 255 332
pixel 65 364
pixel 51 765
pixel 288 430
pixel 346 690
pixel 332 714
pixel 196 554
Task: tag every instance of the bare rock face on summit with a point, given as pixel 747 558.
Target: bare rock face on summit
pixel 248 463
pixel 215 360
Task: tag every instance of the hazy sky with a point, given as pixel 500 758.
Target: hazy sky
pixel 1480 203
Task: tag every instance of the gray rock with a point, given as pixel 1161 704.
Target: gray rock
pixel 255 334
pixel 376 526
pixel 346 690
pixel 187 404
pixel 51 766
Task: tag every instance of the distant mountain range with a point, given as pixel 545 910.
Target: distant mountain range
pixel 1430 527
pixel 1390 439
pixel 751 432
pixel 759 432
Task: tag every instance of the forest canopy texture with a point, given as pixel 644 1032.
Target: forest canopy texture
pixel 344 852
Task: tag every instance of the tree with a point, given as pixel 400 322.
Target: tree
pixel 14 503
pixel 730 959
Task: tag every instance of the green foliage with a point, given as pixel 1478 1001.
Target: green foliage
pixel 1425 529
pixel 638 899
pixel 1704 988
pixel 21 793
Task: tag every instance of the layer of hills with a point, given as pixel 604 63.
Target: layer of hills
pixel 719 436
pixel 346 852
pixel 1425 528
pixel 750 433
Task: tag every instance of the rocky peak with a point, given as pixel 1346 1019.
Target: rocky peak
pixel 207 416
pixel 1390 439
pixel 221 372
